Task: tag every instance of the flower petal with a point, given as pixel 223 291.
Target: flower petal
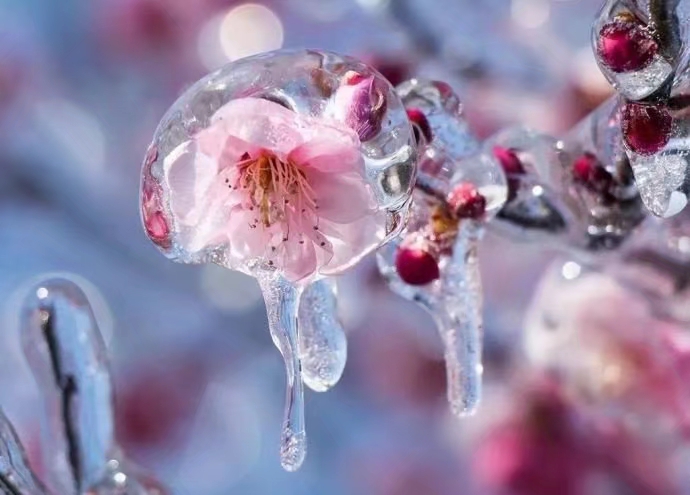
pixel 247 242
pixel 188 176
pixel 263 123
pixel 330 150
pixel 299 260
pixel 215 142
pixel 352 241
pixel 341 198
pixel 199 199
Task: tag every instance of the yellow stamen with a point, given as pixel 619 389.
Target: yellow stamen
pixel 275 185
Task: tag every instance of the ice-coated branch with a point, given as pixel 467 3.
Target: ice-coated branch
pixel 67 356
pixel 16 477
pixel 664 19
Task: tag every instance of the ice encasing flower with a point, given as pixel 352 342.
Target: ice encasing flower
pixel 275 188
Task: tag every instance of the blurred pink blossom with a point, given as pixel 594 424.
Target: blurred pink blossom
pixel 157 405
pixel 608 344
pixel 547 445
pixel 536 452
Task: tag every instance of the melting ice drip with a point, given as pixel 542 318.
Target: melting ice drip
pixel 322 341
pixel 455 303
pixel 67 356
pixel 313 346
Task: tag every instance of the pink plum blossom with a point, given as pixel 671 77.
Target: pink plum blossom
pixel 275 188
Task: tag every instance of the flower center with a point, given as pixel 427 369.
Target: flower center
pixel 275 186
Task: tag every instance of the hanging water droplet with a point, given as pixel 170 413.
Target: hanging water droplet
pixel 322 341
pixel 282 303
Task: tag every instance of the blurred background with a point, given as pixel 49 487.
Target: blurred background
pixel 83 84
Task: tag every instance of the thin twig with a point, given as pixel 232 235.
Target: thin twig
pixel 664 20
pixel 67 385
pixel 624 174
pixel 7 487
pixel 427 188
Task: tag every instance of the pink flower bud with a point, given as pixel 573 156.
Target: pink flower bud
pixel 361 103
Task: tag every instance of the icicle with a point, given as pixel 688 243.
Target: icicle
pixel 282 303
pixel 16 477
pixel 459 320
pixel 67 356
pixel 322 341
pixel 459 189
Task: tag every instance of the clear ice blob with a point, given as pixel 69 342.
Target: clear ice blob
pixel 434 108
pixel 535 208
pixel 598 181
pixel 574 192
pixel 16 476
pixel 288 166
pixel 631 50
pixel 67 356
pixel 656 140
pixel 434 262
pixel 322 341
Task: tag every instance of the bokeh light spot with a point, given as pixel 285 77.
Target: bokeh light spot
pixel 250 29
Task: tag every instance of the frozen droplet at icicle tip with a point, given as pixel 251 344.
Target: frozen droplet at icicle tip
pixel 322 340
pixel 282 304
